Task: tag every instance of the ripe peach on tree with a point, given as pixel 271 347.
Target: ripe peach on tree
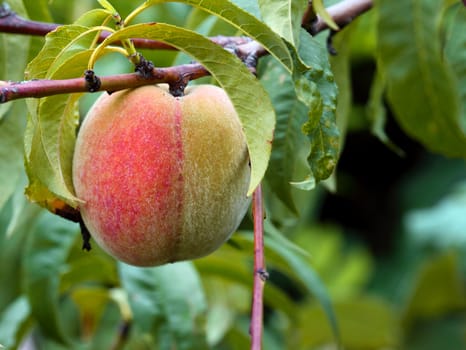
pixel 161 178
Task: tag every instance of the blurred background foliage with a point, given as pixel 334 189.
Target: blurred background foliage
pixel 384 239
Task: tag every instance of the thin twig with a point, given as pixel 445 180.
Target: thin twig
pixel 260 273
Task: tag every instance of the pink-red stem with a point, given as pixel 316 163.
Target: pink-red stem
pixel 260 273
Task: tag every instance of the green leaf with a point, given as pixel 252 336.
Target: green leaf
pixel 422 89
pixel 51 130
pixel 231 265
pixel 365 323
pixel 45 256
pixel 341 66
pixel 439 289
pixel 11 150
pixel 38 10
pixel 17 6
pixel 303 272
pixel 290 145
pixel 226 301
pixel 247 95
pixel 204 23
pixel 167 301
pixel 376 111
pixel 247 23
pixel 279 237
pixel 449 3
pixel 64 43
pixel 283 17
pixel 208 25
pixel 22 211
pixel 108 6
pixel 82 268
pixel 442 224
pixel 12 320
pixel 455 52
pixel 52 148
pixel 286 260
pixel 59 45
pixel 50 138
pixel 91 302
pixel 228 263
pixel 440 333
pixel 18 218
pixel 315 87
pixel 13 55
pixel 351 267
pixel 93 17
pixel 108 333
pixel 249 6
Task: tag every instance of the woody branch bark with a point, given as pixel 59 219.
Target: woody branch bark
pixel 11 23
pixel 249 51
pixel 342 13
pixel 41 88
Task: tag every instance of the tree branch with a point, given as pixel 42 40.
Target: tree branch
pixel 41 88
pixel 11 23
pixel 260 273
pixel 246 49
pixel 249 51
pixel 342 13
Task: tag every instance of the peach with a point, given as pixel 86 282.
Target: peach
pixel 161 178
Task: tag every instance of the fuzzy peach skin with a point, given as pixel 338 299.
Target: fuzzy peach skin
pixel 162 179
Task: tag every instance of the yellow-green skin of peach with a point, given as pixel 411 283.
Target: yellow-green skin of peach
pixel 162 178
